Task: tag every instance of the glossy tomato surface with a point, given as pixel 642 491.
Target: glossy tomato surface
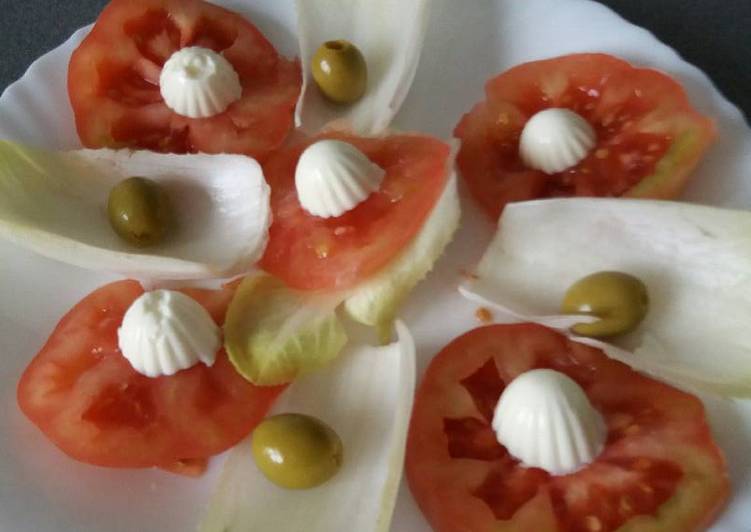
pixel 649 138
pixel 113 80
pixel 89 401
pixel 312 253
pixel 660 470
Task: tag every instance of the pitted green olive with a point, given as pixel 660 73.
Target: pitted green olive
pixel 139 211
pixel 620 301
pixel 296 451
pixel 340 71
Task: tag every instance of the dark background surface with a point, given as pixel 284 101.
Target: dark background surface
pixel 715 35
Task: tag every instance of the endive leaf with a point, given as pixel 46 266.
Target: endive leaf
pixel 273 334
pixel 389 33
pixel 695 261
pixel 366 397
pixel 55 204
pixel 376 301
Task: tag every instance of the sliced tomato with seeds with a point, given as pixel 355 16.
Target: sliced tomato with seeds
pixel 649 138
pixel 312 253
pixel 89 401
pixel 113 80
pixel 659 470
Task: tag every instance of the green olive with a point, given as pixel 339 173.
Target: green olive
pixel 340 71
pixel 620 301
pixel 296 451
pixel 139 211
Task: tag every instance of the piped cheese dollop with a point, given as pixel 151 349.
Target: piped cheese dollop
pixel 555 140
pixel 545 420
pixel 164 331
pixel 333 177
pixel 197 82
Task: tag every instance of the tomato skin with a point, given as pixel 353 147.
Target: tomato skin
pixel 113 80
pixel 312 253
pixel 87 399
pixel 660 469
pixel 649 137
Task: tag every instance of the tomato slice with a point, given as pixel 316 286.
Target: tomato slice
pixel 113 80
pixel 88 400
pixel 312 253
pixel 659 470
pixel 649 138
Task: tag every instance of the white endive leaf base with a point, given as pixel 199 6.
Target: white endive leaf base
pixel 389 33
pixel 55 203
pixel 366 397
pixel 695 261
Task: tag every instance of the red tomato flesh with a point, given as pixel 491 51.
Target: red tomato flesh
pixel 312 253
pixel 113 80
pixel 649 138
pixel 659 470
pixel 89 401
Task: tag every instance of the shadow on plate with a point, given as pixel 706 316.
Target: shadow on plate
pixel 731 426
pixel 439 97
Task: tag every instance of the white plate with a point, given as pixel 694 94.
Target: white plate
pixel 41 489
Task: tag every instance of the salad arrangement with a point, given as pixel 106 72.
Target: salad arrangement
pixel 117 87
pixel 657 467
pixel 344 218
pixel 643 138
